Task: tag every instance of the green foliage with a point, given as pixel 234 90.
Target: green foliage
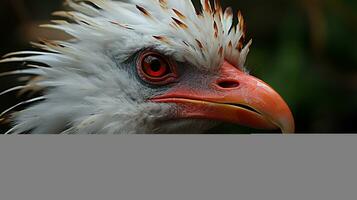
pixel 307 50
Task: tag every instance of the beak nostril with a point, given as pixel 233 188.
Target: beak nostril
pixel 228 84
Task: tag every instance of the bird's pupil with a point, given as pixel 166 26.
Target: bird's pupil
pixel 155 65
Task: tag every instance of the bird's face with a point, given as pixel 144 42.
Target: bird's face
pixel 138 66
pixel 199 99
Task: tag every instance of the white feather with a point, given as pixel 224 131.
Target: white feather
pixel 88 88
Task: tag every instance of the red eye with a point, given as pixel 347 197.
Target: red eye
pixel 155 68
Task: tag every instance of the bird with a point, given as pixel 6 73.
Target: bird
pixel 143 67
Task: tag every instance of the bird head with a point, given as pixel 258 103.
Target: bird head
pixel 153 66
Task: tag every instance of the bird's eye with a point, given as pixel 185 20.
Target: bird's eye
pixel 155 68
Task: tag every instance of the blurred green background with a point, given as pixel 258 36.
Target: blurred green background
pixel 306 49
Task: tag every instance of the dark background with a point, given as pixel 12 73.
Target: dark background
pixel 305 49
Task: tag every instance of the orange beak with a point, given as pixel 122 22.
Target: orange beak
pixel 233 97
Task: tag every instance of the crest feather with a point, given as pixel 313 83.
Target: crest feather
pixel 174 27
pixel 170 25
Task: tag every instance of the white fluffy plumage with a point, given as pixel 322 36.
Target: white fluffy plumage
pixel 87 87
